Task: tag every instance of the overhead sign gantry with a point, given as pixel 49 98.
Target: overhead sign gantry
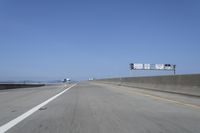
pixel 139 66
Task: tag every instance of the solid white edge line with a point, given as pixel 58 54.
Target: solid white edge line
pixel 20 118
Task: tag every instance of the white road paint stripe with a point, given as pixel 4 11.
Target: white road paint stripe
pixel 20 118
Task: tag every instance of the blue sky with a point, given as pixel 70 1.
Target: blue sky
pixel 54 39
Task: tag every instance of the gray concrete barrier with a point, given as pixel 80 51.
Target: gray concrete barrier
pixel 13 86
pixel 181 84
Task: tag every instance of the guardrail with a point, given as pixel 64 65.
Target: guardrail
pixel 182 84
pixel 13 86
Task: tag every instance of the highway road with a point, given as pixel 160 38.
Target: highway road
pixel 89 107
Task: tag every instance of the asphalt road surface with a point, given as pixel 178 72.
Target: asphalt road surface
pixel 96 108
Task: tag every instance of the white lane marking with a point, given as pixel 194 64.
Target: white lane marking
pixel 17 120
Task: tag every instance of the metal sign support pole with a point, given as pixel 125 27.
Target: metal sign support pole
pixel 174 69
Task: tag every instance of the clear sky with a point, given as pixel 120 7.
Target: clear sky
pixel 54 39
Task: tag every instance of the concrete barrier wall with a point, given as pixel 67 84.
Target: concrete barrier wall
pixel 182 84
pixel 13 86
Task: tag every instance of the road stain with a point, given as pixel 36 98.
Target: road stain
pixel 43 108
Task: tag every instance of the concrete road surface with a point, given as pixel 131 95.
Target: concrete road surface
pixel 97 108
